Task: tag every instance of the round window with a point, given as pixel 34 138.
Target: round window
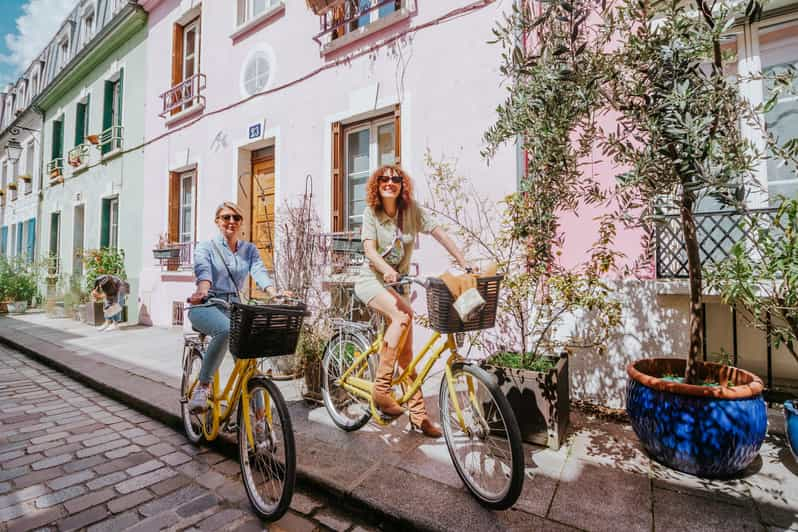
pixel 256 73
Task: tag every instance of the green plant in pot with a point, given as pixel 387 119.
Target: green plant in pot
pixel 528 348
pixel 20 284
pixel 680 137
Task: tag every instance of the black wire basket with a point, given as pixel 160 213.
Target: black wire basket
pixel 444 319
pixel 258 331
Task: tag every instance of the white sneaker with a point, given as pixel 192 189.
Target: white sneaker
pixel 104 326
pixel 113 327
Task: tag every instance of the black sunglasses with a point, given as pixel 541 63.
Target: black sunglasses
pixel 235 217
pixel 396 179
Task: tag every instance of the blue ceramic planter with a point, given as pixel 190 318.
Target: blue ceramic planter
pixel 701 430
pixel 791 425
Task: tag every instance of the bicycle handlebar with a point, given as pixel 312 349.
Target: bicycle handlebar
pixel 409 279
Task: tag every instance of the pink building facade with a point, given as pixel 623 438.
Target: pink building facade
pixel 260 99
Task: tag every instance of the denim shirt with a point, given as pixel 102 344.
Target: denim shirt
pixel 208 266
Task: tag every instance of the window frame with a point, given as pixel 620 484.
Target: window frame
pixel 249 14
pixel 372 125
pixel 749 61
pixel 193 24
pixel 191 176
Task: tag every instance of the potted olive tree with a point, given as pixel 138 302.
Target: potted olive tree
pixel 20 285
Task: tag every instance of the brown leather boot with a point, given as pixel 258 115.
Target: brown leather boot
pixel 381 392
pixel 428 428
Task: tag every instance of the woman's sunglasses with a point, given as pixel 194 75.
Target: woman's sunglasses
pixel 395 179
pixel 235 217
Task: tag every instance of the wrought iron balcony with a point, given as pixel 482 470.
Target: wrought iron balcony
pixel 78 156
pixel 174 257
pixel 183 96
pixel 349 15
pixel 55 169
pixel 717 233
pixel 111 139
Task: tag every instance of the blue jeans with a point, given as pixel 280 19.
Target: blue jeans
pixel 215 322
pixel 118 316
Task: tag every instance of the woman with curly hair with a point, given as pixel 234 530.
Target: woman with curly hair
pixel 391 221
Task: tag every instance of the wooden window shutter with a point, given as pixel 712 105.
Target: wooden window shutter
pixel 177 59
pixel 337 177
pixel 174 207
pixel 174 215
pixel 397 133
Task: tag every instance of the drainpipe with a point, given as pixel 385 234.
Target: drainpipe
pixel 39 215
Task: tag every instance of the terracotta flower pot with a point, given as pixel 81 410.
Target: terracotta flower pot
pixel 704 430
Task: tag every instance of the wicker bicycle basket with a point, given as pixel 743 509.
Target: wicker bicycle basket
pixel 445 319
pixel 258 331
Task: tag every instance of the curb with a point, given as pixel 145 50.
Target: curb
pixel 227 444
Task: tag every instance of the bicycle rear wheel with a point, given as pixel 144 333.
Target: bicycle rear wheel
pixel 487 455
pixel 268 468
pixel 192 423
pixel 348 411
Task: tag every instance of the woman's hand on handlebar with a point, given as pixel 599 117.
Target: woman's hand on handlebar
pixel 198 297
pixel 391 276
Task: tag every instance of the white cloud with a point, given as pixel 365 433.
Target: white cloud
pixel 36 26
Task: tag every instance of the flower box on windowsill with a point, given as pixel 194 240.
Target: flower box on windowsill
pixel 166 253
pixel 57 180
pixel 25 177
pixel 12 186
pixel 94 139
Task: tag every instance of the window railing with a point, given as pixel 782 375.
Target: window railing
pixel 183 95
pixel 111 139
pixel 349 16
pixel 55 169
pixel 174 257
pixel 717 233
pixel 78 156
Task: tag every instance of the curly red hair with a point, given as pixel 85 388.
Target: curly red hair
pixel 405 202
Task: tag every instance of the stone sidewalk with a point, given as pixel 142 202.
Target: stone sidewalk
pixel 72 459
pixel 599 480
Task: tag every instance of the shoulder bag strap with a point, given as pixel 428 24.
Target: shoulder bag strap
pixel 226 267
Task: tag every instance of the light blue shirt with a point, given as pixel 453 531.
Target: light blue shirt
pixel 208 265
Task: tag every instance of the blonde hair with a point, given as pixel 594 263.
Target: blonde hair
pixel 228 205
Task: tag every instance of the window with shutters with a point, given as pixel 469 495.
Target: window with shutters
pixel 111 136
pixel 188 82
pixel 182 216
pixel 358 150
pixel 109 229
pixel 55 243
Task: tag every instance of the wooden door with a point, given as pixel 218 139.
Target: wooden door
pixel 262 229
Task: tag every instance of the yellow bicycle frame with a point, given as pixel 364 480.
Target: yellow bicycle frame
pixel 235 389
pixel 353 382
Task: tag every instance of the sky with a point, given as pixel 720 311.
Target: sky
pixel 26 26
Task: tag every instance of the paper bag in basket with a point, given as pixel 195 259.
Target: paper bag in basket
pixel 469 304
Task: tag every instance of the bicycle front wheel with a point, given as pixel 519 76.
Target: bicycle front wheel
pixel 268 468
pixel 485 445
pixel 347 410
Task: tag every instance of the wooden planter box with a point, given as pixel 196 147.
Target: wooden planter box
pixel 95 316
pixel 540 400
pixel 312 379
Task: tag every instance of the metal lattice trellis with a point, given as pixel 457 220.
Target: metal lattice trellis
pixel 717 233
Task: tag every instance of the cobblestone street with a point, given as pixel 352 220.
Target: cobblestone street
pixel 72 459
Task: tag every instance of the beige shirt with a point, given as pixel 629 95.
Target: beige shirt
pixel 395 246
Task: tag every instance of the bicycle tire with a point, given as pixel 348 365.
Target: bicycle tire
pixel 264 453
pixel 510 492
pixel 193 433
pixel 332 354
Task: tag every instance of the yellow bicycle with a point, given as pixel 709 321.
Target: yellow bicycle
pixel 480 429
pixel 250 405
